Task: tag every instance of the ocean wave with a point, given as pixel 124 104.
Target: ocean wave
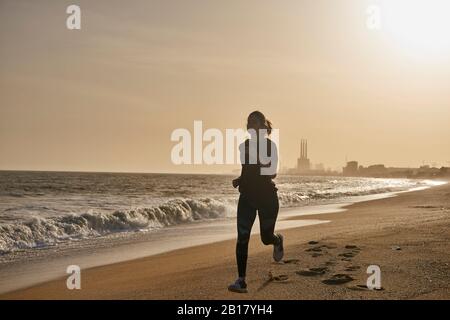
pixel 289 199
pixel 41 232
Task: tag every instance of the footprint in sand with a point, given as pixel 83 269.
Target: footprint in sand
pixel 346 259
pixel 363 287
pixel 347 254
pixel 312 272
pixel 278 277
pixel 291 261
pixel 352 268
pixel 338 279
pixel 314 249
pixel 359 287
pixel 351 252
pixel 319 248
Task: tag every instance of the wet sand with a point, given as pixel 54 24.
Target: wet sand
pixel 406 236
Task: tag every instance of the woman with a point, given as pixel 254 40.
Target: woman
pixel 257 194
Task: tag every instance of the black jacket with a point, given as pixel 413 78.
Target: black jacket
pixel 256 182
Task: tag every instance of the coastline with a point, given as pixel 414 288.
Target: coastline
pixel 50 262
pixel 203 271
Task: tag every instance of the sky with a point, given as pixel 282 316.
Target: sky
pixel 107 97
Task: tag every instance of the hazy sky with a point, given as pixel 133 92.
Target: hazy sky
pixel 108 96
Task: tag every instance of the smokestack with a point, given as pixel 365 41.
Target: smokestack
pixel 303 149
pixel 306 149
pixel 300 148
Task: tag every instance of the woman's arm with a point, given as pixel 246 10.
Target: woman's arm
pixel 271 168
pixel 236 182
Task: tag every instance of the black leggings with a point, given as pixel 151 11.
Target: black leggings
pixel 246 215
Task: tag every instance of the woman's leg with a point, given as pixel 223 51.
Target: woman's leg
pixel 246 215
pixel 267 219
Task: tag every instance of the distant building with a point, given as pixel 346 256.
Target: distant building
pixel 351 169
pixel 373 170
pixel 380 171
pixel 303 164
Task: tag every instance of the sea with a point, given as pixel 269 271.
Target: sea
pixel 47 209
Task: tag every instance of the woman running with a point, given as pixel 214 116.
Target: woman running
pixel 257 194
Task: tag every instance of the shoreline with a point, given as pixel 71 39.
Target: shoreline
pixel 123 247
pixel 146 278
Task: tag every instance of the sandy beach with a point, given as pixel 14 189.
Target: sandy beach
pixel 406 236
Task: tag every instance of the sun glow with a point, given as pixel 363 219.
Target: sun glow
pixel 420 26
